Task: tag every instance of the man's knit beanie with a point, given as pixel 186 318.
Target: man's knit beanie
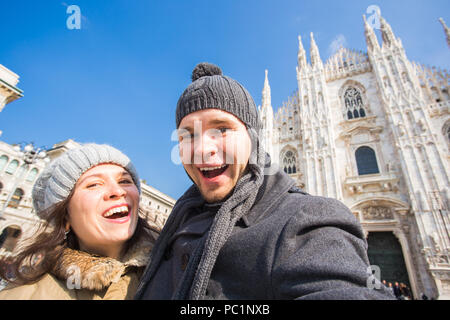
pixel 212 90
pixel 60 176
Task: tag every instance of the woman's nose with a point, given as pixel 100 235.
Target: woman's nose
pixel 115 191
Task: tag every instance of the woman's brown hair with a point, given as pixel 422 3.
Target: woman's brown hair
pixel 41 252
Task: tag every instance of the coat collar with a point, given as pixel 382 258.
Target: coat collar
pixel 273 187
pixel 96 272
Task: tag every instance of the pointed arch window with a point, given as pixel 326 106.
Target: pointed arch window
pixel 289 162
pixel 354 105
pixel 32 175
pixel 3 161
pixel 366 161
pixel 448 134
pixel 16 198
pixel 12 167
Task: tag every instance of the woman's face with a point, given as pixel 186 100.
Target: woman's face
pixel 103 210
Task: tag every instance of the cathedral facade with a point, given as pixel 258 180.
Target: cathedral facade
pixel 372 129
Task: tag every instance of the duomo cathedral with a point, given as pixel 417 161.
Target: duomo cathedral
pixel 372 129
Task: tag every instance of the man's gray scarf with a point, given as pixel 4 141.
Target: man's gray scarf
pixel 195 280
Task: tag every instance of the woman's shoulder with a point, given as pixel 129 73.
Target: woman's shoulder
pixel 46 288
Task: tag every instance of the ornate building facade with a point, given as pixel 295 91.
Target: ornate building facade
pixel 372 129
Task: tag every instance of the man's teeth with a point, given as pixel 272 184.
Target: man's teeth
pixel 116 210
pixel 212 168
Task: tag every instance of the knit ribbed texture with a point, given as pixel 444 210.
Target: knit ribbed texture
pixel 211 90
pixel 59 178
pixel 195 279
pixel 230 212
pixel 216 91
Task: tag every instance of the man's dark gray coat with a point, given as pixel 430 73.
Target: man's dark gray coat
pixel 289 245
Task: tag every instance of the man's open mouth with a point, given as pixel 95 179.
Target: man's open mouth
pixel 212 172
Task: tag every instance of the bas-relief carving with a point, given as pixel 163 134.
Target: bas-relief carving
pixel 377 213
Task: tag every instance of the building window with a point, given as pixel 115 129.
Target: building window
pixel 3 162
pixel 21 171
pixel 354 106
pixel 32 175
pixel 9 238
pixel 12 167
pixel 448 134
pixel 405 78
pixel 289 162
pixel 366 161
pixel 16 198
pixel 386 82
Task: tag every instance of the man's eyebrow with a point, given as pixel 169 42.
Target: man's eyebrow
pixel 220 122
pixel 209 122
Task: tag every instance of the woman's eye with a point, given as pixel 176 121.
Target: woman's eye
pixel 91 185
pixel 125 181
pixel 223 130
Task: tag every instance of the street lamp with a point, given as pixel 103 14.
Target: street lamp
pixel 30 155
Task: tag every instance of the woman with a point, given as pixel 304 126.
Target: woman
pixel 93 245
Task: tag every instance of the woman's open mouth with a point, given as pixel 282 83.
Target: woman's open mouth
pixel 118 213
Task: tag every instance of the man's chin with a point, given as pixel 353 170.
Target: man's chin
pixel 215 196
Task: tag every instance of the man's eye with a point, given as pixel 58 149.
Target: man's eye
pixel 126 181
pixel 223 130
pixel 188 137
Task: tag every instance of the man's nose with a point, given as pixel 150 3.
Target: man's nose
pixel 207 147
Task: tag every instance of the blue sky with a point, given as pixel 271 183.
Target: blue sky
pixel 117 79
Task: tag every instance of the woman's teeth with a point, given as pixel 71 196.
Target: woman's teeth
pixel 122 209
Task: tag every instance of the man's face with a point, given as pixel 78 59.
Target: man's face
pixel 214 148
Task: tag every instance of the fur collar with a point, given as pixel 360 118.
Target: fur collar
pixel 94 272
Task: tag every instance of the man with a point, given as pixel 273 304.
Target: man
pixel 242 231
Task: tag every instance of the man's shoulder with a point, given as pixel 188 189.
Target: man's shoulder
pixel 306 201
pixel 306 207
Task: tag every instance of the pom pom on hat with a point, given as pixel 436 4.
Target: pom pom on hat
pixel 205 69
pixel 216 91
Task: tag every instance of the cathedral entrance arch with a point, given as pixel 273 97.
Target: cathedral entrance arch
pixel 387 227
pixel 385 251
pixel 9 238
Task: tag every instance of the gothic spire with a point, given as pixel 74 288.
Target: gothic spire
pixel 446 30
pixel 386 33
pixel 371 38
pixel 301 54
pixel 266 99
pixel 314 52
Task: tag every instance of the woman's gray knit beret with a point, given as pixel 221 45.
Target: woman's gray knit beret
pixel 60 176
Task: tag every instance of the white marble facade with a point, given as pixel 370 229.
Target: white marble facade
pixel 372 129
